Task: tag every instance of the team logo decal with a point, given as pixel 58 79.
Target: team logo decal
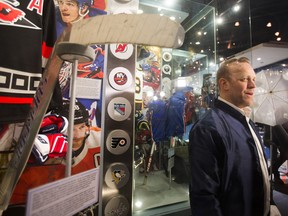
pixel 118 205
pixel 118 142
pixel 10 15
pixel 120 78
pixel 122 51
pixel 119 109
pixel 167 56
pixel 117 176
pixel 166 69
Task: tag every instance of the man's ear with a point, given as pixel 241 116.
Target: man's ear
pixel 223 84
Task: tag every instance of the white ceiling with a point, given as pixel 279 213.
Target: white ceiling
pixel 265 54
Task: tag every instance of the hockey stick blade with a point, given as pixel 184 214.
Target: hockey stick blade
pixel 122 28
pixel 144 29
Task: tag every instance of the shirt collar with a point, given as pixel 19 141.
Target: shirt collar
pixel 246 111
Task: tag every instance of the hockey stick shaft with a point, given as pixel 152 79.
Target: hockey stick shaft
pixel 30 129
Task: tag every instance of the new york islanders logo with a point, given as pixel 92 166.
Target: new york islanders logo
pixel 120 78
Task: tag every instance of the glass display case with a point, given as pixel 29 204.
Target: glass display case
pixel 174 82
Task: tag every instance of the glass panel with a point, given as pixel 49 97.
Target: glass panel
pixel 167 79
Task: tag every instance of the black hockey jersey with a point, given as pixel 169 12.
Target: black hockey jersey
pixel 27 37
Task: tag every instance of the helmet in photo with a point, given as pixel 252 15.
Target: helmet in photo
pixel 82 3
pixel 81 114
pixel 146 67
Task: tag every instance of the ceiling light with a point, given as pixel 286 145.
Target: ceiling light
pixel 278 39
pixel 277 34
pixel 181 82
pixel 219 20
pixel 236 8
pixel 138 204
pixel 172 18
pixel 258 59
pixel 269 24
pixel 169 3
pixel 237 24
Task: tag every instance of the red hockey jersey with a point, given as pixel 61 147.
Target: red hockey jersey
pixel 27 37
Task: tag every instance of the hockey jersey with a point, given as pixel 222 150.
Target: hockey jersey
pixel 27 37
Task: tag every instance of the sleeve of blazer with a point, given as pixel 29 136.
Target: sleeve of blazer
pixel 204 156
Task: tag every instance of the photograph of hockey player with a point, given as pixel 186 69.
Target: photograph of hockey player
pixel 86 155
pixel 71 11
pixel 86 139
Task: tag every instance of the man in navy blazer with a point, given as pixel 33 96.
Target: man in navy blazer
pixel 228 165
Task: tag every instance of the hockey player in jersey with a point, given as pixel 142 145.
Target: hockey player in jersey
pixel 86 155
pixel 71 11
pixel 86 139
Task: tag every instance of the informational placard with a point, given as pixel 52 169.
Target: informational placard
pixel 66 196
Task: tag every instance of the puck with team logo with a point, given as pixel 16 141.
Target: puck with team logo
pixel 117 175
pixel 119 109
pixel 122 50
pixel 118 142
pixel 120 78
pixel 117 206
pixel 167 56
pixel 166 69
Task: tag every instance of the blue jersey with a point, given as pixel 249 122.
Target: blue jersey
pixel 157 114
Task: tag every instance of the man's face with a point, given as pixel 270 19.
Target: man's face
pixel 69 10
pixel 241 84
pixel 79 133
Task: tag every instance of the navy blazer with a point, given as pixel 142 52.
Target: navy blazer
pixel 225 168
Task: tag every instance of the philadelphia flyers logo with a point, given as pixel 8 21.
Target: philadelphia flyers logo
pixel 118 141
